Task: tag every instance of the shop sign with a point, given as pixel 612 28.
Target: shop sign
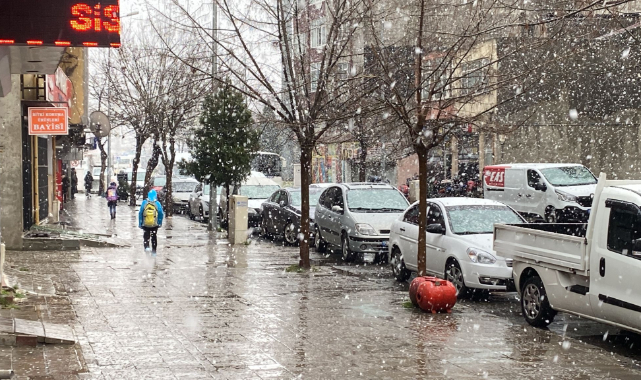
pixel 48 121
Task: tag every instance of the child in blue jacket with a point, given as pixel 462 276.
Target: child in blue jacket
pixel 149 219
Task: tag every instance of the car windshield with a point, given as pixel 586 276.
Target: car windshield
pixel 314 194
pixel 258 191
pixel 160 181
pixel 376 200
pixel 219 190
pixel 468 220
pixel 184 187
pixel 569 176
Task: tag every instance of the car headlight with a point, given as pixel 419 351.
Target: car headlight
pixel 480 256
pixel 365 229
pixel 565 197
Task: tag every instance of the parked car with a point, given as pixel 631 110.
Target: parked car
pixel 182 188
pixel 459 243
pixel 199 202
pixel 549 192
pixel 587 270
pixel 357 218
pixel 257 188
pixel 282 211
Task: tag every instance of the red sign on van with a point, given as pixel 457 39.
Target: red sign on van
pixel 494 176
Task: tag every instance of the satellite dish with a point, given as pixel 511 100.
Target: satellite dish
pixel 99 124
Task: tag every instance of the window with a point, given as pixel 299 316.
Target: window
pixel 569 176
pixel 342 70
pixel 623 230
pixel 314 74
pixel 474 76
pixel 318 33
pixel 533 178
pixel 439 77
pixel 376 200
pixel 274 197
pixel 411 216
pixel 324 199
pixel 335 197
pixel 470 220
pixel 435 215
pixel 299 44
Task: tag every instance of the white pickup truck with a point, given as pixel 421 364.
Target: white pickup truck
pixel 591 270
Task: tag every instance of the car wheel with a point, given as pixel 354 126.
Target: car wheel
pixel 550 215
pixel 319 244
pixel 454 274
pixel 534 303
pixel 401 273
pixel 346 253
pixel 290 234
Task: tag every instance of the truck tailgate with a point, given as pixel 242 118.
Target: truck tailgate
pixel 559 251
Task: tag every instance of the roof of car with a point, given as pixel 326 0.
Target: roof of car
pixel 532 166
pixel 184 179
pixel 259 181
pixel 463 201
pixel 298 189
pixel 367 185
pixel 321 185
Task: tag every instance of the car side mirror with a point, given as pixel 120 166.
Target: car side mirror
pixel 540 187
pixel 282 203
pixel 200 193
pixel 435 228
pixel 337 209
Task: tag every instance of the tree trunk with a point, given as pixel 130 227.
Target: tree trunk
pixel 212 224
pixel 151 166
pixel 305 180
pixel 227 195
pixel 134 171
pixel 362 165
pixel 169 202
pixel 422 208
pixel 103 165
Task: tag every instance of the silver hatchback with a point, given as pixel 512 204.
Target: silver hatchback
pixel 357 217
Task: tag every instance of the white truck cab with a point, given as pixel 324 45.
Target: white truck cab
pixel 589 269
pixel 550 192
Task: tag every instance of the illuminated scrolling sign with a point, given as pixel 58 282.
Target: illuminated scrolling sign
pixel 60 23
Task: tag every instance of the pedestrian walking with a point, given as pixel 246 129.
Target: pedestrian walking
pixel 150 219
pixel 88 183
pixel 65 188
pixel 112 199
pixel 74 183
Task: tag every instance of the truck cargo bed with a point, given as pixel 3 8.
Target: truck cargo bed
pixel 560 245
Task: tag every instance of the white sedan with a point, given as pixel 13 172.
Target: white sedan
pixel 459 243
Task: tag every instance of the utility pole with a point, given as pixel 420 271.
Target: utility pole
pixel 213 189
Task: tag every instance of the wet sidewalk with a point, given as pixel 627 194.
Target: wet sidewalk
pixel 204 309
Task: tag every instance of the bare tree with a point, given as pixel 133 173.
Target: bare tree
pixel 278 54
pixel 155 96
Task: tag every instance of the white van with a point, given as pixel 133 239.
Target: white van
pixel 555 193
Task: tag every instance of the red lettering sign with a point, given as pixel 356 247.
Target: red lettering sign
pixel 494 176
pixel 48 121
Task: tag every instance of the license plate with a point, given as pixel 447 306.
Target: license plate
pixel 369 257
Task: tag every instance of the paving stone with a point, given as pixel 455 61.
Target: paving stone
pixel 58 334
